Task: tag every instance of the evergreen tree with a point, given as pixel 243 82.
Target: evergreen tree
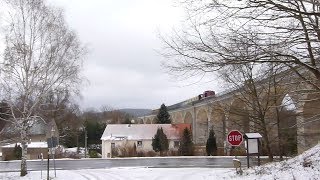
pixel 94 132
pixel 134 149
pixel 160 141
pixel 163 117
pixel 211 146
pixel 17 152
pixel 186 144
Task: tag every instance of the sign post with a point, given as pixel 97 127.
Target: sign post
pixel 52 143
pixel 253 145
pixel 235 138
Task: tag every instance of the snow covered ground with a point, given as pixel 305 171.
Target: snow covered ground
pixel 129 174
pixel 304 166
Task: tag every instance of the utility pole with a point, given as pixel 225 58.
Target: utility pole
pixel 48 164
pixel 53 151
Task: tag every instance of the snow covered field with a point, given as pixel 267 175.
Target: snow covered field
pixel 304 166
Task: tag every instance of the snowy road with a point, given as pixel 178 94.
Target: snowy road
pixel 166 162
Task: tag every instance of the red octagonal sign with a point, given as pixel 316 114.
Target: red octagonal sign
pixel 235 138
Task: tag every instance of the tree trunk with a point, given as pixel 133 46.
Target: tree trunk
pixel 269 151
pixel 279 137
pixel 24 142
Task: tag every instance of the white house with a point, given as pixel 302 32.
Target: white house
pixel 126 135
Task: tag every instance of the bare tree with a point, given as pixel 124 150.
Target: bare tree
pixel 291 26
pixel 257 102
pixel 285 32
pixel 42 55
pixel 258 92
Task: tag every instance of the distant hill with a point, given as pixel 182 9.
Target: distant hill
pixel 137 112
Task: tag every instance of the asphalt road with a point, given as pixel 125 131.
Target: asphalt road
pixel 175 162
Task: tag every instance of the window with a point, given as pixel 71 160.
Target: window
pixel 113 145
pixel 139 144
pixel 176 144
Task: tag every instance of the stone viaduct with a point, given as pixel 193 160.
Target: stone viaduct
pixel 218 112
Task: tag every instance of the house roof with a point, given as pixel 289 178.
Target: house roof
pixel 141 131
pixel 37 127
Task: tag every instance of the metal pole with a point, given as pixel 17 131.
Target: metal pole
pixel 52 151
pixel 258 152
pixel 54 166
pixel 48 168
pixel 247 152
pixel 41 163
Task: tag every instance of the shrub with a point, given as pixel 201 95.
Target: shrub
pixel 211 146
pixel 93 154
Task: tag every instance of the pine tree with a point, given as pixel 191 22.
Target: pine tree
pixel 134 149
pixel 160 141
pixel 211 146
pixel 17 152
pixel 186 144
pixel 163 117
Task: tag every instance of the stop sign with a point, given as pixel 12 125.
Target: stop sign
pixel 235 138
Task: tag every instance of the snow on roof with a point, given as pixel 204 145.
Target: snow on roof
pixel 141 131
pixel 253 135
pixel 30 145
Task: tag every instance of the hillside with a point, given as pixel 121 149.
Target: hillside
pixel 304 166
pixel 137 112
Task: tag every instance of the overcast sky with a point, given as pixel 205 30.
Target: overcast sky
pixel 122 66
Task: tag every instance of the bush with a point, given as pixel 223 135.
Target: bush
pixel 125 151
pixel 173 153
pixel 146 154
pixel 114 152
pixel 211 146
pixel 151 154
pixel 140 154
pixel 93 154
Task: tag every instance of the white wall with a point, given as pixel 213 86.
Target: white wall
pixel 106 148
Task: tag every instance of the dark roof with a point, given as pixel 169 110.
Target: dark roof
pixel 38 127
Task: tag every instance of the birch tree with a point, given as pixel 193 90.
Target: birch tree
pixel 42 55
